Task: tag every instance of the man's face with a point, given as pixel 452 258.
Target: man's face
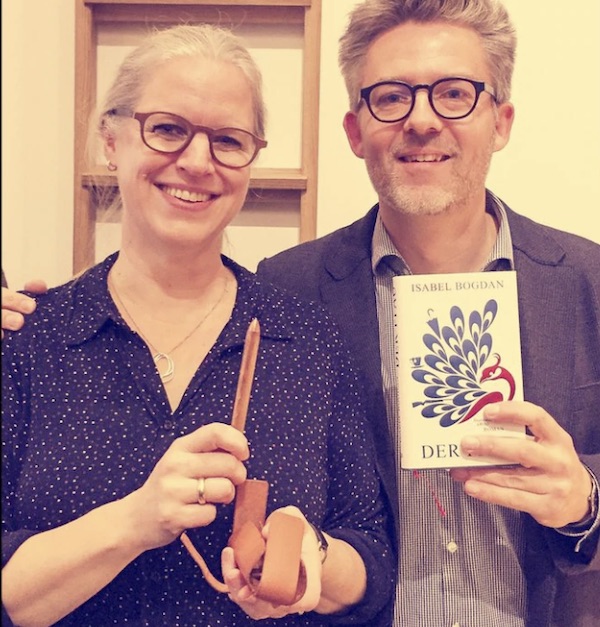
pixel 426 164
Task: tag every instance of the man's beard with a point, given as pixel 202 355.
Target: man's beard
pixel 410 199
pixel 431 198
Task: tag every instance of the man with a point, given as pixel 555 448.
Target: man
pixel 515 546
pixel 498 554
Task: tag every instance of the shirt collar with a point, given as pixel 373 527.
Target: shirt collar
pixel 386 258
pixel 254 300
pixel 91 304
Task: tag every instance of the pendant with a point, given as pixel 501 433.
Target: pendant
pixel 169 373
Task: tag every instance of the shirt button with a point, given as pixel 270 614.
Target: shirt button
pixel 455 624
pixel 168 425
pixel 452 548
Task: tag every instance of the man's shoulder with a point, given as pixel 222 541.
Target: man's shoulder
pixel 297 269
pixel 303 263
pixel 551 246
pixel 310 251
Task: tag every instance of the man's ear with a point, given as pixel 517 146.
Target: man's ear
pixel 505 116
pixel 353 133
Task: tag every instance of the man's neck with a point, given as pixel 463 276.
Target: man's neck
pixel 453 241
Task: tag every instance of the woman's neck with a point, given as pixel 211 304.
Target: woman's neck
pixel 182 279
pixel 178 311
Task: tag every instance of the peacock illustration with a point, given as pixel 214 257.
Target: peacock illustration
pixel 455 367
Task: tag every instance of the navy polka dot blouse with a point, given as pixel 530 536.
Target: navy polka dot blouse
pixel 86 417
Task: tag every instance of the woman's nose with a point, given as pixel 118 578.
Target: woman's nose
pixel 197 157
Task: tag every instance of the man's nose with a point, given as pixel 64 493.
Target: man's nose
pixel 423 119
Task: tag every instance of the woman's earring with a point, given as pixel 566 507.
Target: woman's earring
pixel 111 166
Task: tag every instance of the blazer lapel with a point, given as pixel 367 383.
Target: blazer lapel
pixel 348 290
pixel 548 300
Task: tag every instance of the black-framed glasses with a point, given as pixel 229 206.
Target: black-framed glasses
pixel 451 98
pixel 169 133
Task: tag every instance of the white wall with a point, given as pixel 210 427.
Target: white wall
pixel 550 171
pixel 38 39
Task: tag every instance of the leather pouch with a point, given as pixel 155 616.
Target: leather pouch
pixel 272 568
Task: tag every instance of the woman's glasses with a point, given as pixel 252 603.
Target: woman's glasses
pixel 169 133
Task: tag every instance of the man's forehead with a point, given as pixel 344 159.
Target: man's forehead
pixel 425 52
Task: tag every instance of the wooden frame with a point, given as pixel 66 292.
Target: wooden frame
pixel 267 182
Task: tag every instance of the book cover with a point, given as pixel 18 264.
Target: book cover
pixel 458 349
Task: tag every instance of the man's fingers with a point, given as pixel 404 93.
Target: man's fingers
pixel 539 422
pixel 38 286
pixel 17 302
pixel 510 449
pixel 12 321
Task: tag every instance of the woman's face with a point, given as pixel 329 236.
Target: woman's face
pixel 183 199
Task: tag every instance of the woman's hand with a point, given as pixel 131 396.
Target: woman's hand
pixel 310 558
pixel 168 502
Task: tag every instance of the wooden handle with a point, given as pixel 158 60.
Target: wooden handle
pixel 244 386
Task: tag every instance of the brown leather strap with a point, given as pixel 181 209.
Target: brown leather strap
pixel 281 581
pixel 272 568
pixel 248 520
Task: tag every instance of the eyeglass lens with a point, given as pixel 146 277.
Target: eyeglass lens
pixel 169 133
pixel 450 98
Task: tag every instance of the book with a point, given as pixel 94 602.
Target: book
pixel 458 349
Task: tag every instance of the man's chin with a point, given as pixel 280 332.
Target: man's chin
pixel 420 201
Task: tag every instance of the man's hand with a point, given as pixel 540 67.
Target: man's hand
pixel 15 306
pixel 549 482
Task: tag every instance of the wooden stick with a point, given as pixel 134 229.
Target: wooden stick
pixel 238 420
pixel 244 387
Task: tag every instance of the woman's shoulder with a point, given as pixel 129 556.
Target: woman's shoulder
pixel 58 308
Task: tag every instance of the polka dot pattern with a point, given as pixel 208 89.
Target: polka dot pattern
pixel 86 418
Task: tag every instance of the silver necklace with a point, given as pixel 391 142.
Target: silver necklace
pixel 157 355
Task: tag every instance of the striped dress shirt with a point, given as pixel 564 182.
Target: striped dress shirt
pixel 460 559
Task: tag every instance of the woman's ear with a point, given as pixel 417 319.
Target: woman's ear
pixel 108 144
pixel 108 139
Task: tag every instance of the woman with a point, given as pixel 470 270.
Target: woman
pixel 118 394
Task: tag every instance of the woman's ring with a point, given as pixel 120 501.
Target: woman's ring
pixel 200 489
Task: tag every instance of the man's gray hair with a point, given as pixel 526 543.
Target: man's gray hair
pixel 370 19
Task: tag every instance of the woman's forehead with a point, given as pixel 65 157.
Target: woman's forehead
pixel 187 85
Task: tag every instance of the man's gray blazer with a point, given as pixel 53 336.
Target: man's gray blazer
pixel 558 276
